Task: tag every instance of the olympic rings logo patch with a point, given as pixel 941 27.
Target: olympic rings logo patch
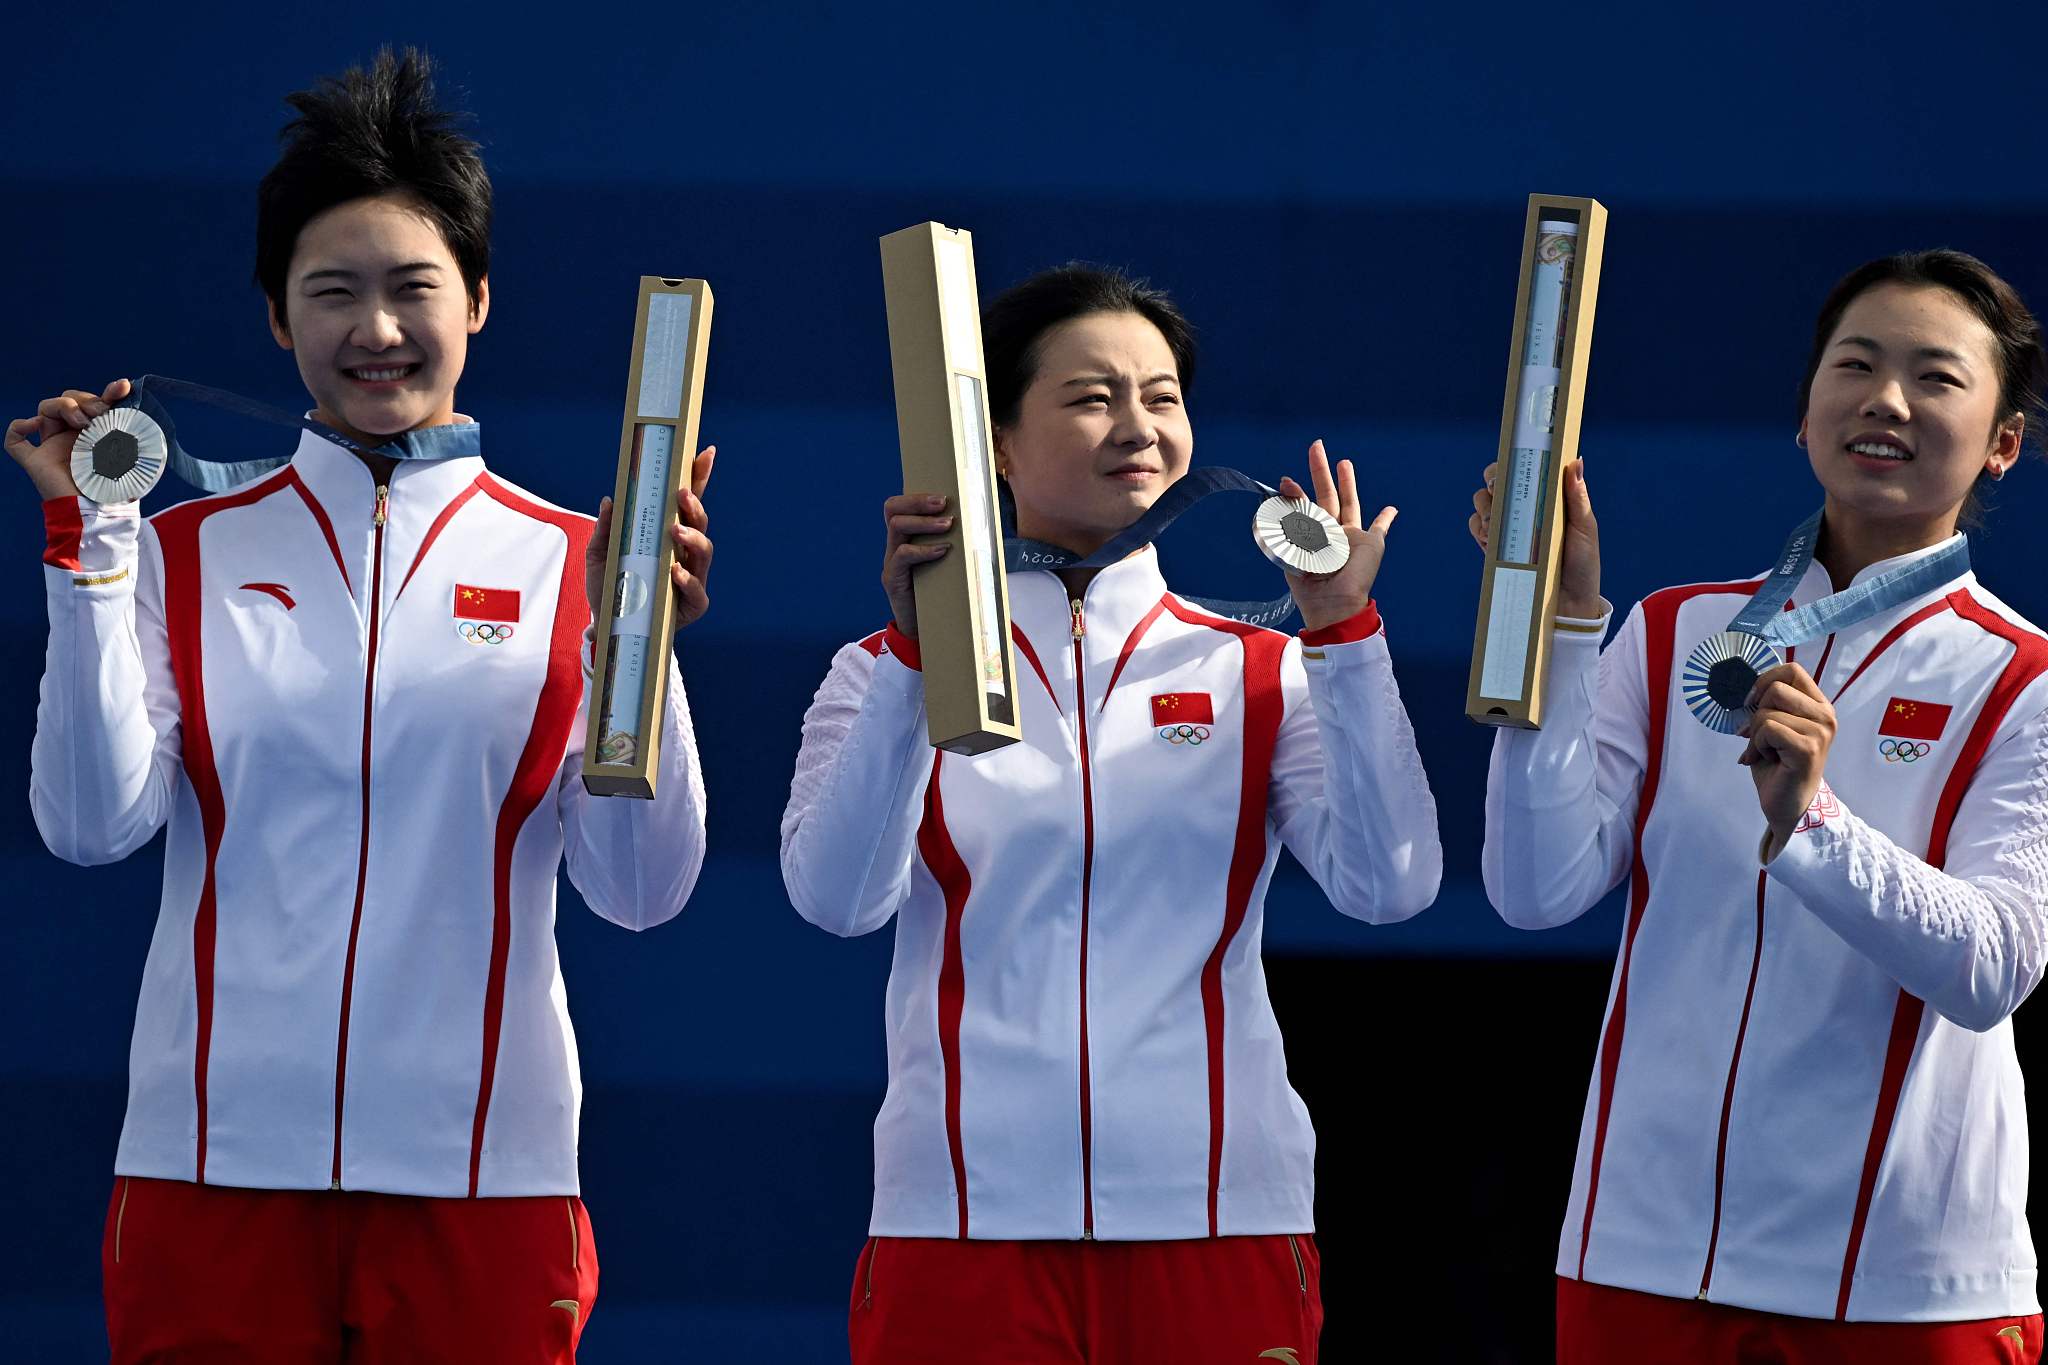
pixel 1183 734
pixel 484 632
pixel 1903 750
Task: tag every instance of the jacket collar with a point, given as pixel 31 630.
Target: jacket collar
pixel 1817 584
pixel 346 491
pixel 1117 598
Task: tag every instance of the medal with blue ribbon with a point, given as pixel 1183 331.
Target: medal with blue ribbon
pixel 1722 668
pixel 124 451
pixel 1293 533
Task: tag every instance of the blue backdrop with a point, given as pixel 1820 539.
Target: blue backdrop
pixel 1334 192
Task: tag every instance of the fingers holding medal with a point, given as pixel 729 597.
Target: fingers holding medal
pixel 43 444
pixel 1304 535
pixel 1790 729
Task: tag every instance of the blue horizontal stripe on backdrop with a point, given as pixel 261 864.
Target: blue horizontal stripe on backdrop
pixel 1307 309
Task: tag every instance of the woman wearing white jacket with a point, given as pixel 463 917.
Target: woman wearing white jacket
pixel 351 692
pixel 1089 1149
pixel 1806 1134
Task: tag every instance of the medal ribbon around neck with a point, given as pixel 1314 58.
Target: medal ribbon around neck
pixel 122 453
pixel 1286 530
pixel 1720 671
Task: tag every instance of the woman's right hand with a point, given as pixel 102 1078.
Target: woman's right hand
pixel 1578 575
pixel 907 515
pixel 54 430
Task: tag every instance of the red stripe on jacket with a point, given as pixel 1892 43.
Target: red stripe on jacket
pixel 1263 707
pixel 1660 631
pixel 177 531
pixel 326 526
pixel 440 522
pixel 1130 647
pixel 554 712
pixel 942 859
pixel 63 533
pixel 2029 660
pixel 1031 657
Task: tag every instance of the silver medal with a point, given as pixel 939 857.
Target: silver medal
pixel 119 456
pixel 1718 675
pixel 1299 536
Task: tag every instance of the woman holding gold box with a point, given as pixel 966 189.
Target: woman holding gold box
pixel 1806 1134
pixel 350 690
pixel 1089 1149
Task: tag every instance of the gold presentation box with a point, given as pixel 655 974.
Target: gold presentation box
pixel 1539 436
pixel 942 424
pixel 636 610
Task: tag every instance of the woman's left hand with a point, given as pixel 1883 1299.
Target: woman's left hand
pixel 692 535
pixel 1328 599
pixel 1789 734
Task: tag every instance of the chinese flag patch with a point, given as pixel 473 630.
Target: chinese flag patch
pixel 1182 708
pixel 1909 719
pixel 486 604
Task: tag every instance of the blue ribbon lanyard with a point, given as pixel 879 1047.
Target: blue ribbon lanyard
pixel 1021 555
pixel 1721 670
pixel 1766 618
pixel 217 476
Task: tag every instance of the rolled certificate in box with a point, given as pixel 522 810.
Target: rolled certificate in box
pixel 636 612
pixel 1539 436
pixel 942 424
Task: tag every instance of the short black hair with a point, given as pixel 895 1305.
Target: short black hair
pixel 1015 322
pixel 2015 334
pixel 366 133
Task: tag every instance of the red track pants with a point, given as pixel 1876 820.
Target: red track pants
pixel 925 1301
pixel 212 1275
pixel 1597 1325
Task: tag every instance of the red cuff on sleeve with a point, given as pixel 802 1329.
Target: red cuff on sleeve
pixel 1363 626
pixel 64 528
pixel 903 647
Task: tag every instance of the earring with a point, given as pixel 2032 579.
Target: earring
pixel 1799 439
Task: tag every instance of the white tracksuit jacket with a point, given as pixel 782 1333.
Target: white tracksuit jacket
pixel 1806 1099
pixel 353 981
pixel 1080 1041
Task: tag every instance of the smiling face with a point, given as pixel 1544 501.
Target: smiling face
pixel 1904 413
pixel 1100 432
pixel 378 317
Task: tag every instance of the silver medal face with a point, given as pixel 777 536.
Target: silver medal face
pixel 119 456
pixel 1718 675
pixel 1299 536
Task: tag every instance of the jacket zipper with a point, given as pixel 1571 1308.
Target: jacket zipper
pixel 1728 1095
pixel 1300 1270
pixel 1756 963
pixel 355 923
pixel 867 1297
pixel 1087 876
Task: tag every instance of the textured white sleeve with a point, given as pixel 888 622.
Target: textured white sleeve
pixel 849 834
pixel 1561 801
pixel 636 861
pixel 1970 937
pixel 1348 793
pixel 104 763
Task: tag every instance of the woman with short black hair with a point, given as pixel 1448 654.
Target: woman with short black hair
pixel 1089 1149
pixel 351 689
